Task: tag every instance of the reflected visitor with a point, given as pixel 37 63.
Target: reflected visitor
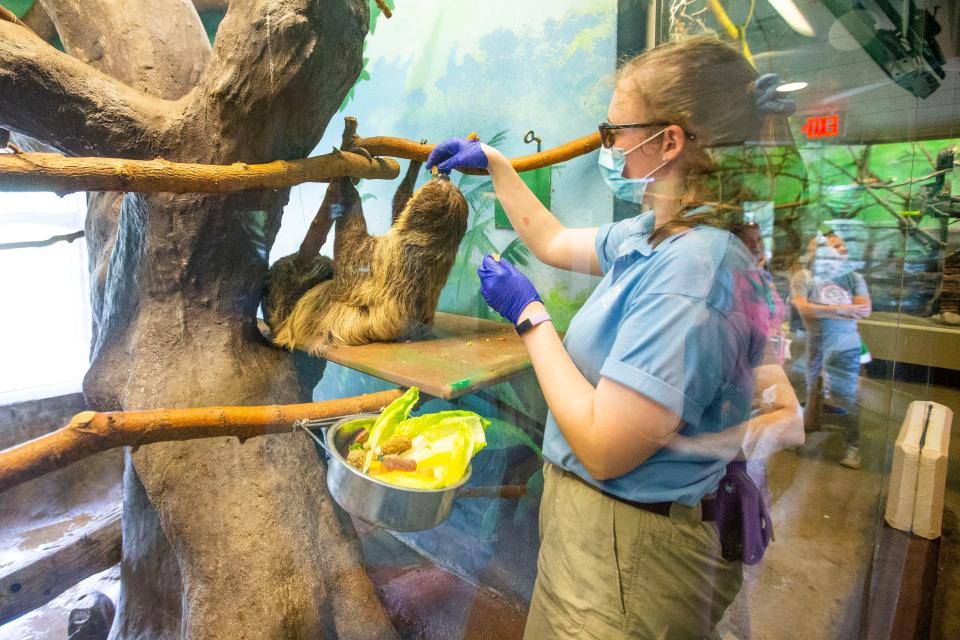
pixel 666 348
pixel 751 236
pixel 830 297
pixel 778 346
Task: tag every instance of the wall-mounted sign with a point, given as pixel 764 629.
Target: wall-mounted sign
pixel 822 126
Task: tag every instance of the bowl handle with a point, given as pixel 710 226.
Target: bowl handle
pixel 320 423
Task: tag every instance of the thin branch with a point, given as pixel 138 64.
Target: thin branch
pixel 907 224
pixel 60 101
pixel 90 432
pixel 910 182
pixel 930 159
pixel 54 172
pixel 783 205
pixel 33 244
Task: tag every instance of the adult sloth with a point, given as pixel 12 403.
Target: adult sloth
pixel 383 287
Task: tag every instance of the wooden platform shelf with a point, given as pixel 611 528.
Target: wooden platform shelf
pixel 461 354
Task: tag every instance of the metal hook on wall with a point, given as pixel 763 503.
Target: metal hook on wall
pixel 530 136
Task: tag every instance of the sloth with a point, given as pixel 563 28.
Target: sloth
pixel 383 288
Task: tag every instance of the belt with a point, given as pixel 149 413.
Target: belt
pixel 708 506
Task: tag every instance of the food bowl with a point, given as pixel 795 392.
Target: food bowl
pixel 378 502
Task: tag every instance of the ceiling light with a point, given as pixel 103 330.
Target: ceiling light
pixel 793 17
pixel 787 87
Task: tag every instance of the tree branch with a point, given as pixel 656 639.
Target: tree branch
pixel 908 225
pixel 402 148
pixel 90 432
pixel 285 64
pixel 54 172
pixel 387 13
pixel 33 244
pixel 158 47
pixel 63 102
pixel 38 20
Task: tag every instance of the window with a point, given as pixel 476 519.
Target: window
pixel 46 327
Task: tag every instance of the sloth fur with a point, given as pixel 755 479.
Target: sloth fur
pixel 383 288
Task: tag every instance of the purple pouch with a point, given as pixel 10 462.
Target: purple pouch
pixel 741 517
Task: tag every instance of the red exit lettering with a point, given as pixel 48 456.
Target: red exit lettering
pixel 822 126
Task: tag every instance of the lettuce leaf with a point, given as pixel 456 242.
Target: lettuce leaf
pixel 443 444
pixel 386 423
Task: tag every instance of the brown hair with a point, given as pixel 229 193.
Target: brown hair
pixel 707 87
pixel 739 228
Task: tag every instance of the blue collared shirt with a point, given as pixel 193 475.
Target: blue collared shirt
pixel 672 323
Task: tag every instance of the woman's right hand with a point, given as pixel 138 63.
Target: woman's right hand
pixel 452 153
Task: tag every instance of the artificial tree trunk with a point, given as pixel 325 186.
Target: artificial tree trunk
pixel 221 539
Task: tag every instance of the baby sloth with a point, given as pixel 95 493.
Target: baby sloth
pixel 383 288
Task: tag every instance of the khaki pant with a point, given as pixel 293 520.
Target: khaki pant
pixel 607 570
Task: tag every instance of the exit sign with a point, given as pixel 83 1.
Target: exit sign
pixel 822 126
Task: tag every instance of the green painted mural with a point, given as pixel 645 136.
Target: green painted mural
pixel 542 66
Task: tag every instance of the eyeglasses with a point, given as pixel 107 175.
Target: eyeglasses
pixel 608 132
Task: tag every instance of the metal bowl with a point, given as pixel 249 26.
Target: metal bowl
pixel 377 502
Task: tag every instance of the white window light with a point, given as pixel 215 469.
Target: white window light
pixel 793 17
pixel 44 347
pixel 787 87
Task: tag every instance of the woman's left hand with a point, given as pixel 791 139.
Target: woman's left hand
pixel 506 290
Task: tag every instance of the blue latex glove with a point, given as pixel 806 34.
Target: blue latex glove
pixel 506 290
pixel 457 152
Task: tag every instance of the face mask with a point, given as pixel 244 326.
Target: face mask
pixel 612 162
pixel 830 263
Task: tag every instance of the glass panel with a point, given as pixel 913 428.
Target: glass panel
pixel 875 129
pixel 690 354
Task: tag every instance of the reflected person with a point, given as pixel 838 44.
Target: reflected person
pixel 830 297
pixel 777 349
pixel 661 348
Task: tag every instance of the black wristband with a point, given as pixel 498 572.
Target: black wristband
pixel 531 322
